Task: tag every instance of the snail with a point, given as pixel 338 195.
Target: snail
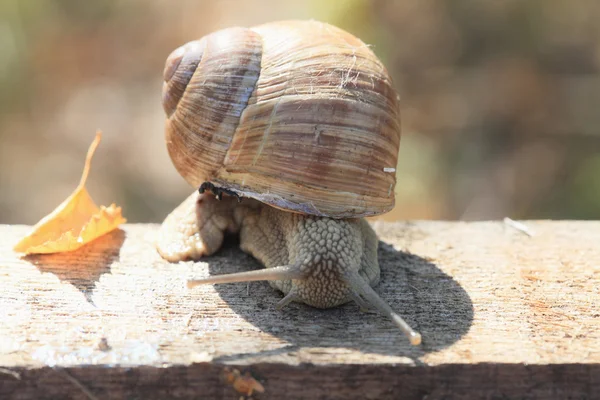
pixel 291 132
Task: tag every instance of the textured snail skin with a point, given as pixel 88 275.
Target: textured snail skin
pixel 324 249
pixel 300 115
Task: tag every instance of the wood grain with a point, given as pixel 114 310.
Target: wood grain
pixel 502 315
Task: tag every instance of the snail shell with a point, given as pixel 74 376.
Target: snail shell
pixel 300 115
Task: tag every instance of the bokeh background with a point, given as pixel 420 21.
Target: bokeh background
pixel 500 100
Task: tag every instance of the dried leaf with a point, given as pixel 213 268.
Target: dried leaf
pixel 75 222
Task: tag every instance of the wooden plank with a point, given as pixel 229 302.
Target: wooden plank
pixel 501 314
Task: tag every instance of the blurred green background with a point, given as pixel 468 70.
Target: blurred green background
pixel 500 100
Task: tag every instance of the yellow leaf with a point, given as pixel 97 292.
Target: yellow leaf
pixel 75 222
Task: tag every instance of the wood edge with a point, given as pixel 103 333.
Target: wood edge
pixel 306 381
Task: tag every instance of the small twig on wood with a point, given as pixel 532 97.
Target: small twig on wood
pixel 188 319
pixel 80 385
pixel 518 226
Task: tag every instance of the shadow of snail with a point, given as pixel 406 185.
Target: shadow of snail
pixel 427 298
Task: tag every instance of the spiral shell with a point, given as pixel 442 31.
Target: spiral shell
pixel 300 115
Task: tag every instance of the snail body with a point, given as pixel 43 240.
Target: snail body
pixel 298 250
pixel 298 120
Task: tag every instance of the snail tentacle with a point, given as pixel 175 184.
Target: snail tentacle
pixel 358 284
pixel 285 272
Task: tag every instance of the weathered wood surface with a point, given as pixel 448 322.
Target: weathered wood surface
pixel 502 315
